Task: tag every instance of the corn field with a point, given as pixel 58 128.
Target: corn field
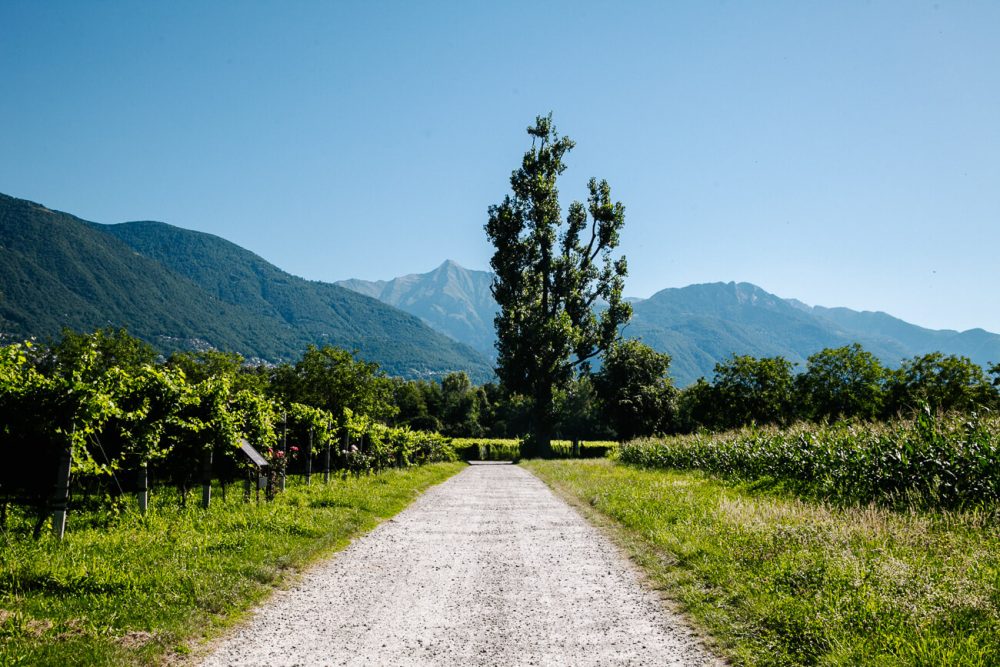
pixel 946 461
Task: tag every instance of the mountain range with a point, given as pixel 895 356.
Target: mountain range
pixel 698 325
pixel 452 299
pixel 180 289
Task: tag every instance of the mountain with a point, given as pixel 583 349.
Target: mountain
pixel 698 325
pixel 978 344
pixel 452 299
pixel 180 289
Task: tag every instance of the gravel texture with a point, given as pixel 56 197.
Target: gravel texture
pixel 488 568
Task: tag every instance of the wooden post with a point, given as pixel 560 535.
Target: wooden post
pixel 345 446
pixel 60 498
pixel 206 479
pixel 326 459
pixel 576 448
pixel 142 478
pixel 284 449
pixel 309 458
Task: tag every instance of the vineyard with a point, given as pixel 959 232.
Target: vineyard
pixel 95 429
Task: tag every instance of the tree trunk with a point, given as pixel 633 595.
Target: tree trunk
pixel 541 440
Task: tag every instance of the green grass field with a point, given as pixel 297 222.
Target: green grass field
pixel 778 580
pixel 129 590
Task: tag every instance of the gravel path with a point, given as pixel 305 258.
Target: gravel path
pixel 488 568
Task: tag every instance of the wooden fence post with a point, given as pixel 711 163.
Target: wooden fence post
pixel 309 458
pixel 60 498
pixel 326 459
pixel 206 478
pixel 284 450
pixel 142 479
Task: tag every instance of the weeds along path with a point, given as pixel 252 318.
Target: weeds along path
pixel 488 568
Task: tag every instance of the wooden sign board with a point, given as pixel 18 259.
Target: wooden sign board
pixel 252 454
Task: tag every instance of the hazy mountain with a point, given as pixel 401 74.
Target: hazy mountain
pixel 452 299
pixel 698 325
pixel 180 289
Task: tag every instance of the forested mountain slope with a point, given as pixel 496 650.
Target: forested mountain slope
pixel 180 289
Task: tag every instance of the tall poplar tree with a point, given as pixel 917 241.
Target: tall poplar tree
pixel 550 276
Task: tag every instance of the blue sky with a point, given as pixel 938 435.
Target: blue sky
pixel 842 153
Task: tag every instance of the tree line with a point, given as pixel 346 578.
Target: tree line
pixel 632 395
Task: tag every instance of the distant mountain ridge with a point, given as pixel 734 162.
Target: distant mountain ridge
pixel 181 289
pixel 698 325
pixel 452 299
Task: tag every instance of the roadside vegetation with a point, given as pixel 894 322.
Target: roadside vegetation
pixel 775 579
pixel 106 555
pixel 949 462
pixel 131 589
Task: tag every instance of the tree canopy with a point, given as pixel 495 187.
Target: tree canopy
pixel 635 389
pixel 550 276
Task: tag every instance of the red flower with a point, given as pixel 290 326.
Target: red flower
pixel 294 448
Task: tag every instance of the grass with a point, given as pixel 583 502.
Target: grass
pixel 778 580
pixel 124 589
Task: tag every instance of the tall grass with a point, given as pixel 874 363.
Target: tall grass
pixel 780 580
pixel 128 589
pixel 937 461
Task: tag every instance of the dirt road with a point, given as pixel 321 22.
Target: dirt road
pixel 488 568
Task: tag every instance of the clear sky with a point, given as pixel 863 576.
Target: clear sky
pixel 842 153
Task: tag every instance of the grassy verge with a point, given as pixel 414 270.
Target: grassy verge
pixel 129 590
pixel 777 580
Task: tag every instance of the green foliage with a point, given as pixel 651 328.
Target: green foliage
pixel 510 449
pixel 578 412
pixel 753 390
pixel 384 446
pixel 636 393
pixel 461 405
pixel 951 461
pixel 943 383
pixel 548 277
pixel 199 366
pixel 95 396
pixel 487 449
pixel 776 580
pixel 98 352
pixel 843 382
pixel 336 380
